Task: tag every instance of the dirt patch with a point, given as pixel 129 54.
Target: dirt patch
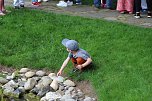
pixel 85 86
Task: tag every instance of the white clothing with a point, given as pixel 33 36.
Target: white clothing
pixel 18 2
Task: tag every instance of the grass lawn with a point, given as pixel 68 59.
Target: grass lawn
pixel 122 54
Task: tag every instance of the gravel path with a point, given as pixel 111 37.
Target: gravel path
pixel 89 11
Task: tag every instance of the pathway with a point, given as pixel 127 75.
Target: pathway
pixel 91 12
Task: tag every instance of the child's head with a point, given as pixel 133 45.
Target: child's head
pixel 70 44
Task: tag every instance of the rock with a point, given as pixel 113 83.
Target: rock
pixel 61 88
pixel 45 81
pixel 30 84
pixel 11 83
pixel 52 75
pixel 24 70
pixel 10 92
pixel 65 97
pixel 69 83
pixel 43 91
pixel 3 80
pixel 71 89
pixel 60 79
pixel 21 89
pixel 29 74
pixel 80 94
pixel 31 97
pixel 36 78
pixel 40 73
pixel 88 99
pixel 35 90
pixel 21 83
pixel 53 95
pixel 9 77
pixel 43 99
pixel 54 85
pixel 24 79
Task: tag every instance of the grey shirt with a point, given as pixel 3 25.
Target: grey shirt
pixel 80 53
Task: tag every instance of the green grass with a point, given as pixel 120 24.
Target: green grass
pixel 122 54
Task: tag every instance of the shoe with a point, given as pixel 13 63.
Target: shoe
pixel 69 3
pixel 22 6
pixel 45 0
pixel 16 7
pixel 62 4
pixel 2 14
pixel 36 3
pixel 137 15
pixel 149 15
pixel 122 12
pixel 5 11
pixel 78 2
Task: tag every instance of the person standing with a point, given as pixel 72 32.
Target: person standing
pixel 109 4
pixel 138 8
pixel 125 6
pixel 2 9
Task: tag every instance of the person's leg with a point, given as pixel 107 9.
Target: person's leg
pixel 149 6
pixel 137 8
pixel 137 5
pixel 109 3
pixel 97 3
pixel 21 2
pixel 16 3
pixel 1 7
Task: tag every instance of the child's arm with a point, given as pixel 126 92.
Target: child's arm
pixel 63 66
pixel 89 60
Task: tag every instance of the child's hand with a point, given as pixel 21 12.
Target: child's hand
pixel 79 67
pixel 59 73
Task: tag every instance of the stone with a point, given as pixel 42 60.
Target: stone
pixel 60 79
pixel 43 91
pixel 54 85
pixel 30 84
pixel 24 70
pixel 52 95
pixel 69 83
pixel 40 73
pixel 43 99
pixel 64 97
pixel 31 97
pixel 52 75
pixel 21 89
pixel 45 81
pixel 11 83
pixel 3 80
pixel 29 74
pixel 88 99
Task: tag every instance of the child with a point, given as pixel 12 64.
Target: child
pixel 80 58
pixel 2 9
pixel 18 3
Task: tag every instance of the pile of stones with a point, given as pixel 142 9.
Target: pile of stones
pixel 46 87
